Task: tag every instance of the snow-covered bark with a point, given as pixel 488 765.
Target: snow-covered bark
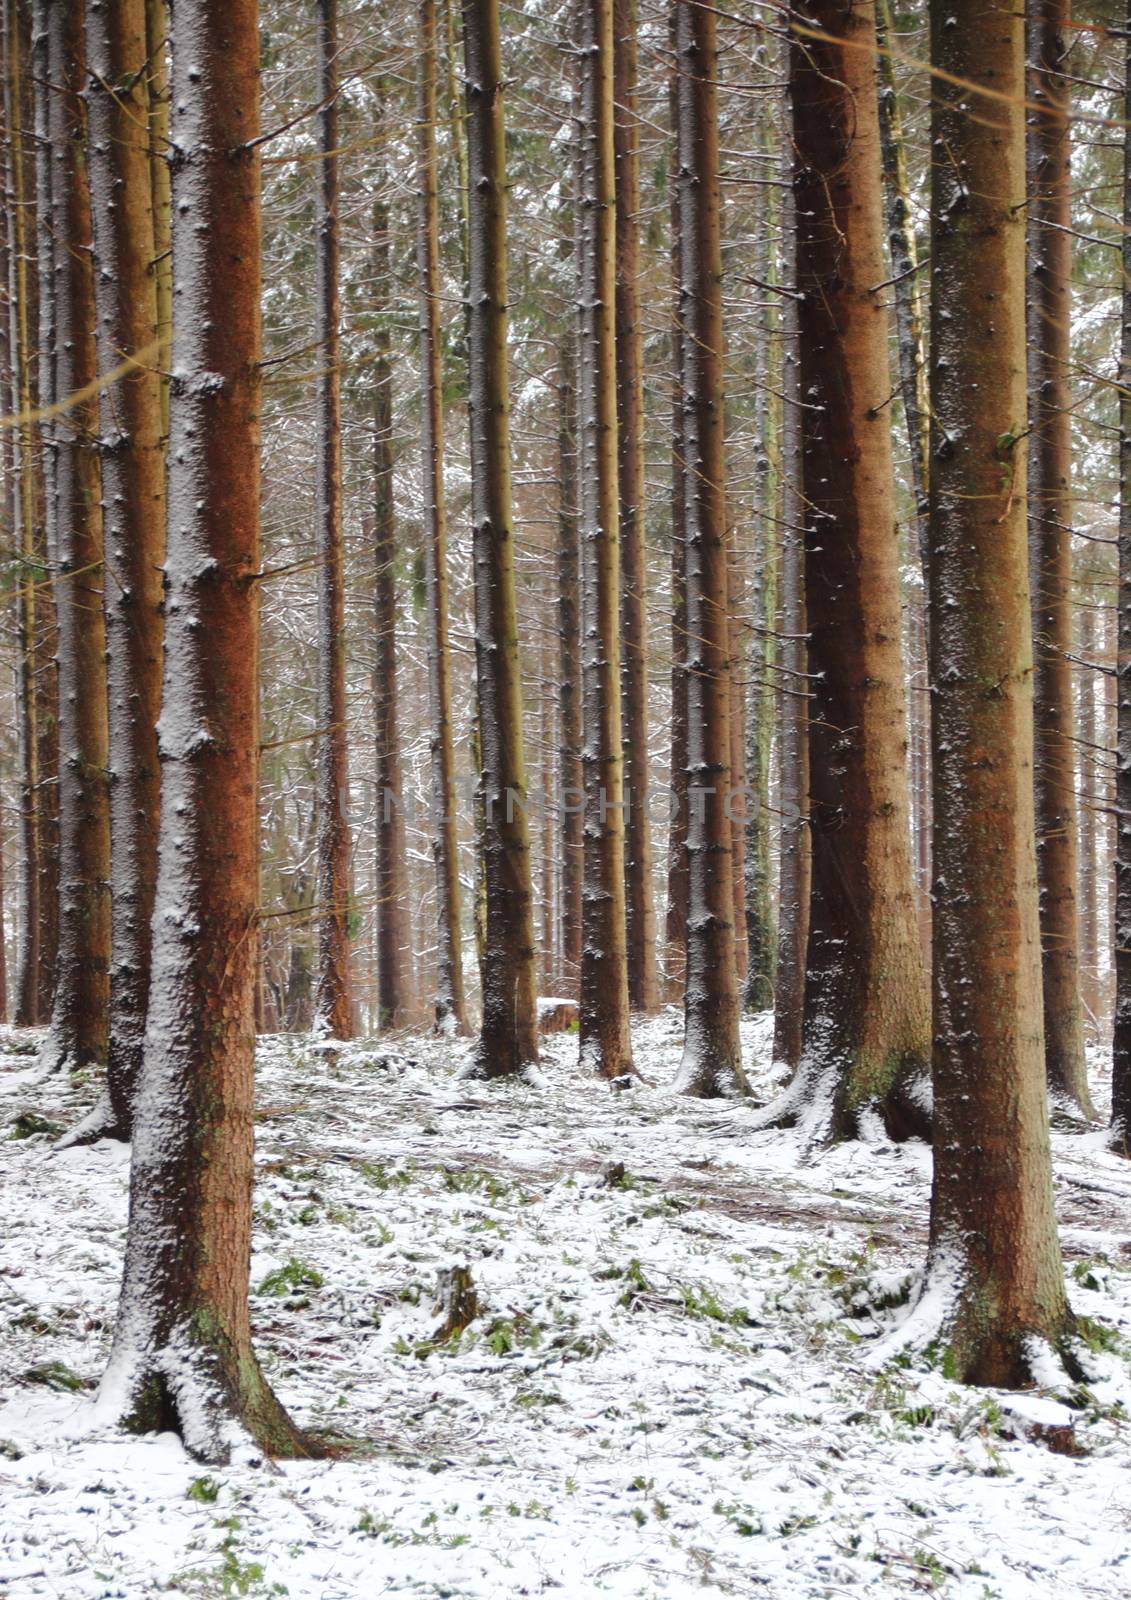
pixel 1121 1030
pixel 866 1028
pixel 604 1037
pixel 508 1041
pixel 23 511
pixel 333 1003
pixel 450 1007
pixel 640 915
pixel 182 1356
pixel 675 919
pixel 994 1288
pixel 712 1055
pixel 133 487
pixel 1050 505
pixel 80 1013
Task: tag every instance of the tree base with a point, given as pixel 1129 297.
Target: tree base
pixel 952 1326
pixel 212 1395
pixel 100 1122
pixel 60 1053
pixel 824 1111
pixel 707 1079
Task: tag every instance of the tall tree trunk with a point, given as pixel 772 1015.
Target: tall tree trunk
pixel 156 31
pixel 604 1035
pixel 867 1027
pixel 133 492
pixel 712 1055
pixel 760 657
pixel 182 1356
pixel 570 778
pixel 43 314
pixel 391 874
pixel 1050 543
pixel 994 1289
pixel 794 852
pixel 80 1015
pixel 739 802
pixel 1121 1019
pixel 675 926
pixel 334 995
pixel 639 904
pixel 23 521
pixel 508 1041
pixel 1092 809
pixel 450 1008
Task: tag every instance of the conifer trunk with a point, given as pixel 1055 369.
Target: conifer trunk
pixel 604 1036
pixel 79 1030
pixel 450 1007
pixel 23 510
pixel 1120 1137
pixel 866 1027
pixel 794 853
pixel 133 489
pixel 712 1056
pixel 1050 546
pixel 390 868
pixel 570 778
pixel 157 29
pixel 333 1006
pixel 182 1357
pixel 508 1041
pixel 675 926
pixel 639 900
pixel 994 1292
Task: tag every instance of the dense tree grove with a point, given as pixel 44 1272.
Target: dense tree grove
pixel 523 517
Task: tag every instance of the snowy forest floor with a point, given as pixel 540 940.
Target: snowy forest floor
pixel 668 1390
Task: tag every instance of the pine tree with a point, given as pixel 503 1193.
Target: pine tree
pixel 182 1356
pixel 333 1000
pixel 508 1041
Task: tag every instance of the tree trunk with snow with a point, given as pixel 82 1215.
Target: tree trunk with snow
pixel 450 1007
pixel 1050 547
pixel 794 853
pixel 866 1026
pixel 994 1291
pixel 390 868
pixel 23 514
pixel 182 1356
pixel 712 1055
pixel 640 914
pixel 508 1041
pixel 675 924
pixel 157 30
pixel 1121 1022
pixel 333 1009
pixel 133 490
pixel 79 1030
pixel 570 778
pixel 604 1010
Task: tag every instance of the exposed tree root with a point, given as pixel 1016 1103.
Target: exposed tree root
pixel 100 1122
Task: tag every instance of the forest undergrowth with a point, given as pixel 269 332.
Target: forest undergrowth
pixel 669 1387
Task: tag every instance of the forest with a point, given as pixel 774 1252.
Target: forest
pixel 565 798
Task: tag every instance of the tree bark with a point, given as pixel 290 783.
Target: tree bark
pixel 994 1289
pixel 133 494
pixel 675 926
pixel 794 852
pixel 1050 542
pixel 712 1055
pixel 450 1007
pixel 1120 1135
pixel 78 1035
pixel 604 1035
pixel 23 510
pixel 639 901
pixel 390 867
pixel 508 1041
pixel 157 30
pixel 571 782
pixel 866 1027
pixel 334 993
pixel 1092 809
pixel 182 1356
